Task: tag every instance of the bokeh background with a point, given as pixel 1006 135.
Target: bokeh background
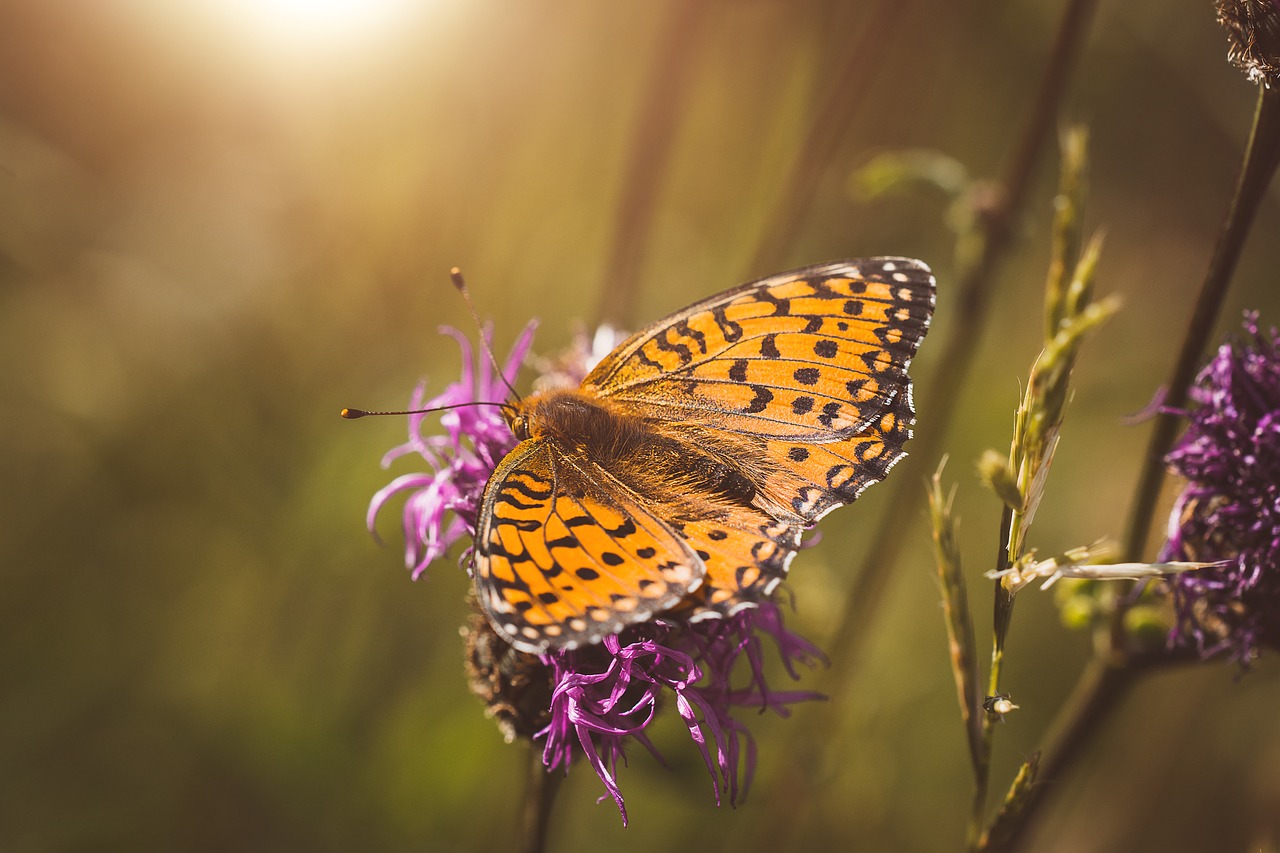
pixel 223 220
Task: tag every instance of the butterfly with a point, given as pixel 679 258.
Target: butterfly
pixel 684 469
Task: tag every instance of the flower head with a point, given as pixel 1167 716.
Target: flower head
pixel 1230 508
pixel 591 700
pixel 605 694
pixel 1253 35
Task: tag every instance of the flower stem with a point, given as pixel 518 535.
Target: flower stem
pixel 540 797
pixel 1002 613
pixel 1099 691
pixel 1262 155
pixel 982 769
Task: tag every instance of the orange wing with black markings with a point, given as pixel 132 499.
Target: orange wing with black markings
pixel 746 555
pixel 814 354
pixel 564 556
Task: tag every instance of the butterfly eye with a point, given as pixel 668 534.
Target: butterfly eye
pixel 520 427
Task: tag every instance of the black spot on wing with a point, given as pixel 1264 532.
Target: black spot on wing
pixel 826 348
pixel 523 481
pixel 830 412
pixel 731 330
pixel 503 497
pixel 677 346
pixel 807 375
pixel 761 401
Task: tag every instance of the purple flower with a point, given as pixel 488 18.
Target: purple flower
pixel 1230 508
pixel 475 439
pixel 605 694
pixel 592 699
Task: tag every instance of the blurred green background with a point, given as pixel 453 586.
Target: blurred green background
pixel 223 220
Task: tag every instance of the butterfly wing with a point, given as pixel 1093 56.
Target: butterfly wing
pixel 800 381
pixel 746 555
pixel 815 354
pixel 565 554
pixel 748 550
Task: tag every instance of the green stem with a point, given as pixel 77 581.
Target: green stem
pixel 540 798
pixel 1002 613
pixel 1100 690
pixel 982 770
pixel 1262 155
pixel 979 805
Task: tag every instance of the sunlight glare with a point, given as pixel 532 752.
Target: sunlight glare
pixel 313 22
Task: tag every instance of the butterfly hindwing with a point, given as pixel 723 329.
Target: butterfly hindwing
pixel 748 551
pixel 814 478
pixel 745 554
pixel 564 556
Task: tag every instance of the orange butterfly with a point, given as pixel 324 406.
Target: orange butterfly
pixel 692 457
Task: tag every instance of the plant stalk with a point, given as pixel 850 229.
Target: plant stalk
pixel 539 800
pixel 1262 155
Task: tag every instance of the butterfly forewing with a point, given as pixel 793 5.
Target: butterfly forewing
pixel 815 354
pixel 564 556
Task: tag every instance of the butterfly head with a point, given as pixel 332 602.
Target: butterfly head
pixel 517 417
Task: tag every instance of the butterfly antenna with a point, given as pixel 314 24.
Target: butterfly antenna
pixel 352 414
pixel 455 275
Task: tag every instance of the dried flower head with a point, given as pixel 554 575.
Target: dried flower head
pixel 1253 36
pixel 514 685
pixel 1230 508
pixel 597 699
